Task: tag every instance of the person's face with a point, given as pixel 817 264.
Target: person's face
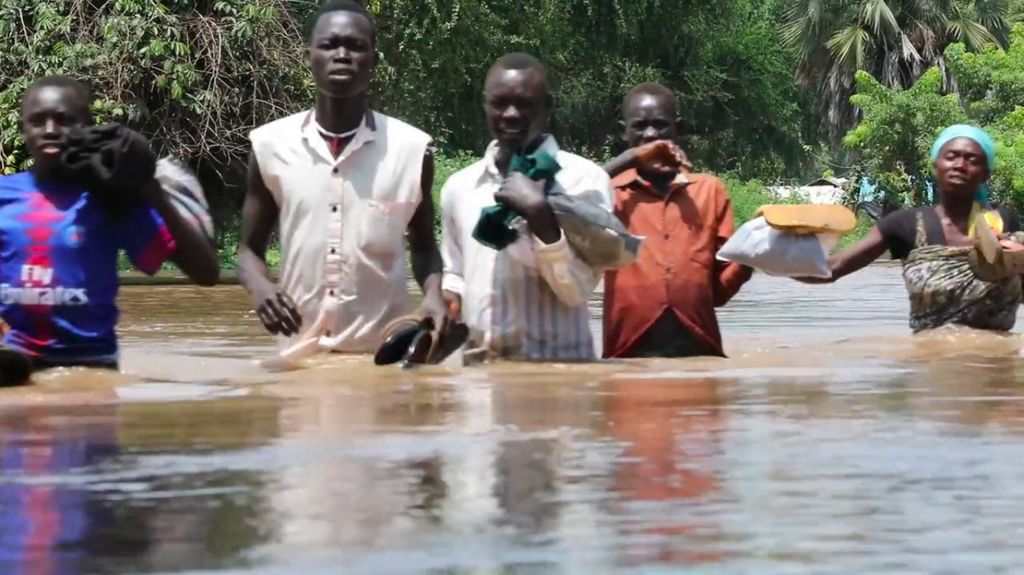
pixel 516 105
pixel 48 114
pixel 961 167
pixel 648 119
pixel 341 54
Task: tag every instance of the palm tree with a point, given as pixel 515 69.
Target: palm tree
pixel 894 40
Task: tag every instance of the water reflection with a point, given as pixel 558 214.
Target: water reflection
pixel 830 441
pixel 82 489
pixel 47 524
pixel 673 431
pixel 528 460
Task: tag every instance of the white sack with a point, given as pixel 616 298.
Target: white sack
pixel 762 247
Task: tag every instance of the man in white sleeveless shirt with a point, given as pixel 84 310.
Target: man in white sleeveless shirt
pixel 345 184
pixel 528 300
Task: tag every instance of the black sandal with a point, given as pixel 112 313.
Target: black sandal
pixel 412 340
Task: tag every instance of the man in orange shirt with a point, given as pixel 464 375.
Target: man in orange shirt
pixel 663 305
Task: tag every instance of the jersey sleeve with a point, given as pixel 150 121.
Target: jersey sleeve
pixel 144 236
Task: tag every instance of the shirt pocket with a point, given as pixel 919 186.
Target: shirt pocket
pixel 700 249
pixel 382 228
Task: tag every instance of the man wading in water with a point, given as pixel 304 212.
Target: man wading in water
pixel 522 291
pixel 61 239
pixel 664 304
pixel 345 184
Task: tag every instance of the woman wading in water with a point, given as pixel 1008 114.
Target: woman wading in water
pixel 935 242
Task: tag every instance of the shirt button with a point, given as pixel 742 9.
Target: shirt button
pixel 330 293
pixel 334 209
pixel 327 333
pixel 336 171
pixel 332 250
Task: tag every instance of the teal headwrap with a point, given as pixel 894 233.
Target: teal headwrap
pixel 980 137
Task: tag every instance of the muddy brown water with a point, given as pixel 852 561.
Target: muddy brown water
pixel 831 441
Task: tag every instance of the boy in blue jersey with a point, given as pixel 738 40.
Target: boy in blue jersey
pixel 59 245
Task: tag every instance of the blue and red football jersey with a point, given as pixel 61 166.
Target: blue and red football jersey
pixel 58 267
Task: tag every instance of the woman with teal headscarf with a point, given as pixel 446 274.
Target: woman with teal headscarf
pixel 936 243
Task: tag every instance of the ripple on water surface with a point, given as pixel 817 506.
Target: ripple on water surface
pixel 829 442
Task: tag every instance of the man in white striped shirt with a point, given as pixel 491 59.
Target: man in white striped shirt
pixel 528 300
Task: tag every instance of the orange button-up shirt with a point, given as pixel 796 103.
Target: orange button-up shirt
pixel 676 269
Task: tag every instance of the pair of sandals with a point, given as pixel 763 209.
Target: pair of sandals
pixel 412 340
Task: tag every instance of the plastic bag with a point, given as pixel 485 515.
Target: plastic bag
pixel 598 236
pixel 186 194
pixel 762 247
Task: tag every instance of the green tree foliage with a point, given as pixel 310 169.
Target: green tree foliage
pixel 899 126
pixel 991 81
pixel 197 75
pixel 738 107
pixel 992 85
pixel 893 40
pixel 193 76
pixel 1008 177
pixel 897 131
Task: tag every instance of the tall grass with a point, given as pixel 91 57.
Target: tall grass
pixel 444 167
pixel 747 196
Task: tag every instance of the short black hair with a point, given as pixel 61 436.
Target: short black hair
pixel 523 61
pixel 76 87
pixel 340 6
pixel 653 89
pixel 520 61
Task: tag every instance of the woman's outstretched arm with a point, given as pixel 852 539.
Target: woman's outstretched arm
pixel 854 258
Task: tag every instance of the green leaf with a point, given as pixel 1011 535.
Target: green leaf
pixel 879 17
pixel 849 46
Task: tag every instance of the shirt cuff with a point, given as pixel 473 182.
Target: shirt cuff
pixel 555 252
pixel 730 279
pixel 453 283
pixel 159 250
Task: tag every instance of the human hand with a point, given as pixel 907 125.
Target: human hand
pixel 434 308
pixel 1011 246
pixel 521 194
pixel 276 310
pixel 662 156
pixel 526 197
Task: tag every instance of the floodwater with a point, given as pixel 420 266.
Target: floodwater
pixel 830 442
